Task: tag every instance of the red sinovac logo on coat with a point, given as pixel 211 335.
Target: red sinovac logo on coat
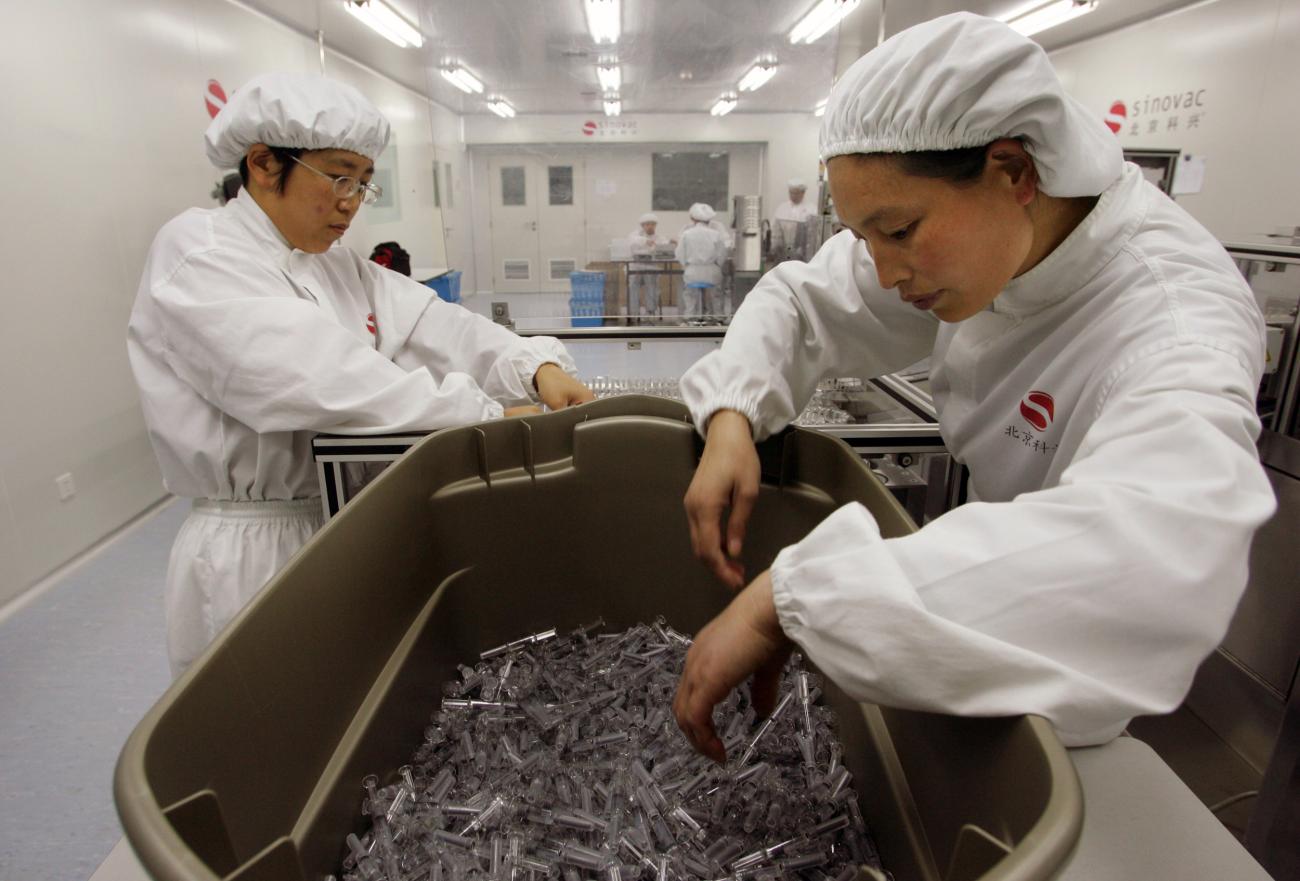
pixel 1117 116
pixel 370 323
pixel 1038 408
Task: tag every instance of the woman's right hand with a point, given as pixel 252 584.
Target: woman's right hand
pixel 727 477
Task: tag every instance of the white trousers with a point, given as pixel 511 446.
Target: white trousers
pixel 223 555
pixel 693 301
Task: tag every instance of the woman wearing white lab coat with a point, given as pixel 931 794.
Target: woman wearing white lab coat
pixel 788 217
pixel 252 331
pixel 702 251
pixel 642 282
pixel 1095 361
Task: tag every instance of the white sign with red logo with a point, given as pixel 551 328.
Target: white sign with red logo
pixel 1038 409
pixel 214 97
pixel 609 128
pixel 1165 115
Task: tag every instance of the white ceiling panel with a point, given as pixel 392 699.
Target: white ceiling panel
pixel 676 55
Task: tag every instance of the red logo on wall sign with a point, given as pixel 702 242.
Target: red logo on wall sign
pixel 589 128
pixel 1038 408
pixel 214 98
pixel 1117 116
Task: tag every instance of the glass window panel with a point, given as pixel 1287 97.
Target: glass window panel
pixel 514 185
pixel 561 184
pixel 681 179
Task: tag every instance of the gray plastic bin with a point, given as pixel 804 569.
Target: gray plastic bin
pixel 249 766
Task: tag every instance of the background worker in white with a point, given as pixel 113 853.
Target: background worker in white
pixel 251 331
pixel 787 218
pixel 643 289
pixel 702 251
pixel 1095 361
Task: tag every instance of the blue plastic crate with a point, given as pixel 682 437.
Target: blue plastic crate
pixel 447 286
pixel 587 287
pixel 586 314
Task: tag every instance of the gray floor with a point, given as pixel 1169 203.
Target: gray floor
pixel 79 665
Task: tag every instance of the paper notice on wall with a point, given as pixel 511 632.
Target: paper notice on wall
pixel 605 187
pixel 1189 175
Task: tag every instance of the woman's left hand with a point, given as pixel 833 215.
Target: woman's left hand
pixel 558 389
pixel 746 639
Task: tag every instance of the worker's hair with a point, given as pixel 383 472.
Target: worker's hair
pixel 283 155
pixel 961 166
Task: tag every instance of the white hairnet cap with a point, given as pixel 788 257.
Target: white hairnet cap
pixel 295 110
pixel 648 218
pixel 963 80
pixel 796 183
pixel 701 213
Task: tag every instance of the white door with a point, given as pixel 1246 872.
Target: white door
pixel 561 221
pixel 513 188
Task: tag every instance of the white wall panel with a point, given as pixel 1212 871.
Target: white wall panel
pixel 72 244
pixel 1240 62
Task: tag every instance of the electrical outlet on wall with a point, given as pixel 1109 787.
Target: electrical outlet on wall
pixel 67 488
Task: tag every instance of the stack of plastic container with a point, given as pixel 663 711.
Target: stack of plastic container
pixel 447 285
pixel 587 300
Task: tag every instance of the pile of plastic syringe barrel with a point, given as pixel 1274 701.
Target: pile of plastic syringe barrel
pixel 558 757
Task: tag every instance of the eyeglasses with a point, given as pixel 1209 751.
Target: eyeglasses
pixel 346 187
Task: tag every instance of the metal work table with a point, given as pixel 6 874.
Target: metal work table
pixel 334 454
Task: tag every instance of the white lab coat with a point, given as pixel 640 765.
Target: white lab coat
pixel 785 225
pixel 1107 550
pixel 788 210
pixel 701 250
pixel 243 348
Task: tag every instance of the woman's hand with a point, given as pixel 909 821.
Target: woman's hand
pixel 527 410
pixel 727 476
pixel 558 389
pixel 746 639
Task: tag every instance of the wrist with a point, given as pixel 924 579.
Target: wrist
pixel 763 616
pixel 728 422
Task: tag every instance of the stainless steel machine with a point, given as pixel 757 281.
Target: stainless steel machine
pixel 747 220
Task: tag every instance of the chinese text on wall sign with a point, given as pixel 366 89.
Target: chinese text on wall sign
pixel 1158 114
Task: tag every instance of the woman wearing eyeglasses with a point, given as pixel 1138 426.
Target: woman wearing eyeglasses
pixel 252 331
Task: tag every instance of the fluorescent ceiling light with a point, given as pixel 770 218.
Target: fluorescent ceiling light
pixel 820 19
pixel 385 22
pixel 725 105
pixel 820 109
pixel 501 108
pixel 757 76
pixel 610 76
pixel 613 104
pixel 603 20
pixel 462 79
pixel 1048 15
